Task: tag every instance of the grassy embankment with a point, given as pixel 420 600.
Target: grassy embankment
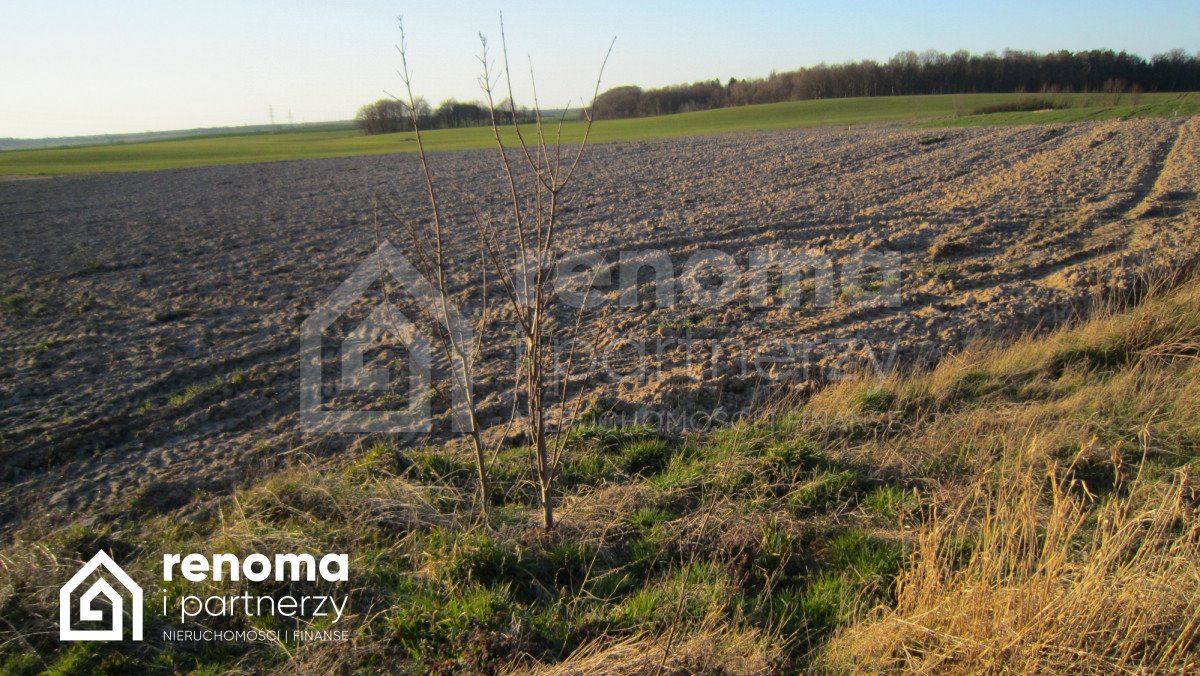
pixel 922 110
pixel 1023 507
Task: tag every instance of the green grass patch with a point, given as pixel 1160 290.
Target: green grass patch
pixel 821 490
pixel 874 400
pixel 198 391
pixel 1066 108
pixel 937 110
pixel 647 456
pixel 889 502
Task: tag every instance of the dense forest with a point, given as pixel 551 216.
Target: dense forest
pixel 927 73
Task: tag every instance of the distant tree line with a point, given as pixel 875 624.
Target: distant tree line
pixel 927 73
pixel 386 116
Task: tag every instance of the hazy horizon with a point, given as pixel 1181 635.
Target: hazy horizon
pixel 223 64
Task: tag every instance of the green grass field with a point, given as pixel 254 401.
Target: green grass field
pixel 943 110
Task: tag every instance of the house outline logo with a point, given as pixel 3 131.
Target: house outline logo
pixel 385 318
pixel 89 614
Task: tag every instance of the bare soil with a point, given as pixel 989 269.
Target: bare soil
pixel 149 349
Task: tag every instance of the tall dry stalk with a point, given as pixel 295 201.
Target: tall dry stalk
pixel 461 353
pixel 534 225
pixel 523 254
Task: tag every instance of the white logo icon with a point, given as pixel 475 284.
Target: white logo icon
pixel 89 614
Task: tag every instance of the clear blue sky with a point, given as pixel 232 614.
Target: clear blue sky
pixel 90 67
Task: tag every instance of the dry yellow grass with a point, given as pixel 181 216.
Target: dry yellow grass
pixel 716 649
pixel 1069 539
pixel 1051 582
